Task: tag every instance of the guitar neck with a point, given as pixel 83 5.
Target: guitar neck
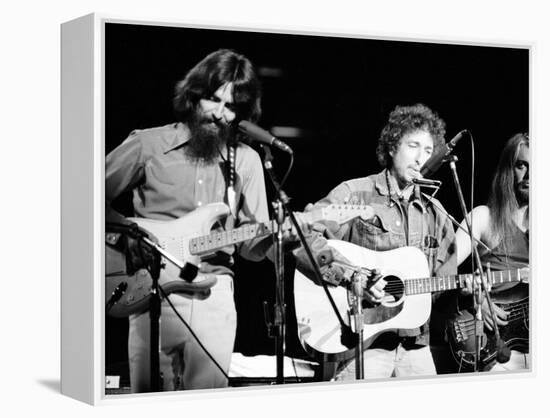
pixel 438 284
pixel 217 240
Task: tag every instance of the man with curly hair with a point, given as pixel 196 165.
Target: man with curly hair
pixel 403 217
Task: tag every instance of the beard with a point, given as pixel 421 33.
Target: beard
pixel 522 193
pixel 207 137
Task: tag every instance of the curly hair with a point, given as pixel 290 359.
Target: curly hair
pixel 216 69
pixel 404 120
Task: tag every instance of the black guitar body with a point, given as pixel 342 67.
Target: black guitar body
pixel 515 335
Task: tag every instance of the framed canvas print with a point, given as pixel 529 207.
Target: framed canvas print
pixel 268 209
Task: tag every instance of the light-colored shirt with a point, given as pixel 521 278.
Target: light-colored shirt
pixel 168 184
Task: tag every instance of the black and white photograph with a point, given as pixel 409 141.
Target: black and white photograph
pixel 300 208
pixel 292 208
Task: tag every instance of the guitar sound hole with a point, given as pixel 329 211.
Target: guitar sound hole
pixel 394 289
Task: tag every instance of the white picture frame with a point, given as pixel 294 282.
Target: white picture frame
pixel 83 105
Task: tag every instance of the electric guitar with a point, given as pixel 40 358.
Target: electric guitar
pixel 188 239
pixel 515 335
pixel 407 304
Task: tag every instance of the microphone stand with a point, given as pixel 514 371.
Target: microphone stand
pixel 477 298
pixel 278 325
pixel 153 267
pixel 356 319
pixel 280 307
pixel 188 272
pixel 154 315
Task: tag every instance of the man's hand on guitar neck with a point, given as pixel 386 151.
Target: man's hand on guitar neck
pixel 472 282
pixel 290 234
pixel 501 314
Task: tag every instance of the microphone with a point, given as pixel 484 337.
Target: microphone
pixel 258 134
pixel 426 182
pixel 435 161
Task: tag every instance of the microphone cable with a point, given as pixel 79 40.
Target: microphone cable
pixel 193 333
pixel 290 164
pixel 503 351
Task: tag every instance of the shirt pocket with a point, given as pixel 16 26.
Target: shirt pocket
pixel 377 233
pixel 430 248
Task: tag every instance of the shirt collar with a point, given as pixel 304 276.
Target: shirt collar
pixel 381 184
pixel 180 136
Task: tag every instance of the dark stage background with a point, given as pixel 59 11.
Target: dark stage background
pixel 338 92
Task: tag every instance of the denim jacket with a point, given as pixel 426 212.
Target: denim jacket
pixel 397 223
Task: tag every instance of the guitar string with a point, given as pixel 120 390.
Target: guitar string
pixel 227 236
pixel 515 313
pixel 469 326
pixel 460 278
pixel 515 316
pixel 411 288
pixel 469 331
pixel 419 286
pixel 414 286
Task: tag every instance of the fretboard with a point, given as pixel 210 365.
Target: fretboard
pixel 432 284
pixel 217 240
pixel 437 284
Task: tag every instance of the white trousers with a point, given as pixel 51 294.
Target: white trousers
pixel 518 361
pixel 183 363
pixel 380 363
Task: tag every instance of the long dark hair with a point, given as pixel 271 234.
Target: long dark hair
pixel 216 69
pixel 502 200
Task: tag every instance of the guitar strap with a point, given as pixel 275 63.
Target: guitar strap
pixel 231 195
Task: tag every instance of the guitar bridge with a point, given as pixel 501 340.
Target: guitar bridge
pixel 460 332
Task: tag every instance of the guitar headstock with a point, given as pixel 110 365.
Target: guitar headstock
pixel 524 274
pixel 520 275
pixel 344 213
